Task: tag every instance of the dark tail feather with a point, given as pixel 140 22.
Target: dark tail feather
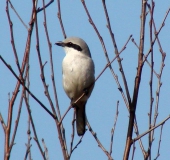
pixel 80 118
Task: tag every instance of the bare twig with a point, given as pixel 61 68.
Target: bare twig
pixel 156 34
pixel 33 126
pixel 151 80
pixel 99 143
pixel 29 135
pixel 153 128
pixel 72 135
pixel 137 83
pixel 46 150
pixel 18 15
pixel 133 152
pixel 42 71
pixel 19 112
pixel 72 105
pixel 51 62
pixel 158 154
pixel 114 127
pixel 61 137
pixel 60 19
pixel 78 143
pixel 15 93
pixel 2 122
pixel 159 77
pixel 27 151
pixel 116 51
pixel 53 79
pixel 146 59
pixel 45 6
pixel 32 95
pixel 12 37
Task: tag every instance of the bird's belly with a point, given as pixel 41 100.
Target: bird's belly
pixel 78 74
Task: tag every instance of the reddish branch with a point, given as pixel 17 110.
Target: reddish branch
pixel 15 93
pixel 116 52
pixel 32 95
pixel 114 127
pixel 61 137
pixel 98 141
pixel 60 19
pixel 45 6
pixel 137 83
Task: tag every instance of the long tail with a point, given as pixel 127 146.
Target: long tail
pixel 80 118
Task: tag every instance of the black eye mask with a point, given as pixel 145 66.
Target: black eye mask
pixel 75 46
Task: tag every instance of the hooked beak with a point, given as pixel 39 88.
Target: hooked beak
pixel 60 43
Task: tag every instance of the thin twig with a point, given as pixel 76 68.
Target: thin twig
pixel 116 51
pixel 12 38
pixel 61 137
pixel 19 112
pixel 18 15
pixel 153 128
pixel 133 40
pixel 46 150
pixel 97 140
pixel 114 127
pixel 60 19
pixel 137 83
pixel 151 81
pixel 33 126
pixel 29 135
pixel 158 153
pixel 45 6
pixel 52 78
pixel 73 131
pixel 27 151
pixel 78 143
pixel 156 34
pixel 32 95
pixel 42 71
pixel 2 122
pixel 133 152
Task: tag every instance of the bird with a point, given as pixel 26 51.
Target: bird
pixel 78 73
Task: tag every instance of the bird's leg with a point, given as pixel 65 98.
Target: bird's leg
pixel 74 105
pixel 86 91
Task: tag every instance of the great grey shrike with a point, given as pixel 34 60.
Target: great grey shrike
pixel 78 76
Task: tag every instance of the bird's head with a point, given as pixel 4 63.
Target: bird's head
pixel 74 44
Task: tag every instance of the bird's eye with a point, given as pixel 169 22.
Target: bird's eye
pixel 69 43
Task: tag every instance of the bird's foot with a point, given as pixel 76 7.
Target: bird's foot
pixel 74 105
pixel 86 91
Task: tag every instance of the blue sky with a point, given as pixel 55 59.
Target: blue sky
pixel 101 106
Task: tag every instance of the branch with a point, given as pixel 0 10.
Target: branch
pixel 158 154
pixel 32 95
pixel 99 143
pixel 60 19
pixel 114 127
pixel 146 58
pixel 151 82
pixel 72 135
pixel 19 112
pixel 33 126
pixel 18 15
pixel 116 51
pixel 44 6
pixel 2 122
pixel 46 150
pixel 157 33
pixel 137 83
pixel 153 128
